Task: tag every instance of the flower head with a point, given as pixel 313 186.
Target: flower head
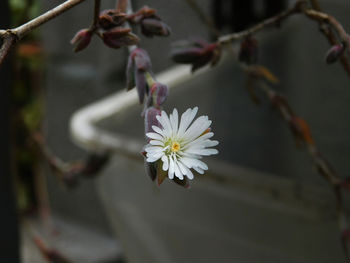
pixel 179 146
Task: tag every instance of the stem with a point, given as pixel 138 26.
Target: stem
pixel 24 29
pixel 325 18
pixel 11 36
pixel 275 20
pixel 96 15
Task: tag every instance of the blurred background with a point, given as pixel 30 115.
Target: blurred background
pixel 261 200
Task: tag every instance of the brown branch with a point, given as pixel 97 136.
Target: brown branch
pixel 8 40
pixel 301 130
pixel 97 8
pixel 272 21
pixel 330 20
pixel 11 36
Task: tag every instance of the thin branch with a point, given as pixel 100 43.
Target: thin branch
pixel 97 8
pixel 330 20
pixel 11 36
pixel 299 128
pixel 272 21
pixel 9 40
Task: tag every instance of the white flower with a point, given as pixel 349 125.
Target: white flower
pixel 180 146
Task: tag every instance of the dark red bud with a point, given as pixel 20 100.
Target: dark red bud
pixel 334 53
pixel 150 118
pixel 111 18
pixel 249 51
pixel 81 39
pixel 154 27
pixel 186 56
pixel 119 37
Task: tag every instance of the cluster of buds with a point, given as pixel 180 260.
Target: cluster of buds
pixel 110 27
pixel 151 24
pixel 198 53
pixel 248 52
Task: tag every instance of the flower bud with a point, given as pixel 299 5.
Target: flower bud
pixel 119 37
pixel 334 53
pixel 187 55
pixel 159 93
pixel 150 118
pixel 81 39
pixel 141 58
pixel 138 64
pixel 249 51
pixel 199 54
pixel 151 27
pixel 111 18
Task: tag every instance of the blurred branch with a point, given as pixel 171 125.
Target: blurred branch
pixel 302 134
pixel 327 23
pixel 97 8
pixel 11 36
pixel 275 20
pixel 328 33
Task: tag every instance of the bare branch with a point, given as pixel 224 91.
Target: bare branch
pixel 97 8
pixel 11 36
pixel 275 20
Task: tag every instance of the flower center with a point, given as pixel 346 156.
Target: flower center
pixel 175 147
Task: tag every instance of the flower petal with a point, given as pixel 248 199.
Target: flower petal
pixel 186 119
pixel 165 163
pixel 154 136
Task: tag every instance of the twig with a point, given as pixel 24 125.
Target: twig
pixel 11 36
pixel 328 33
pixel 97 8
pixel 297 125
pixel 330 20
pixel 275 20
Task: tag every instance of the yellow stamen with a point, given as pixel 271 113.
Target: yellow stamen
pixel 175 147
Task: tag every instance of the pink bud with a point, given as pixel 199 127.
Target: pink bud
pixel 150 118
pixel 334 53
pixel 141 58
pixel 159 93
pixel 111 18
pixel 138 64
pixel 81 39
